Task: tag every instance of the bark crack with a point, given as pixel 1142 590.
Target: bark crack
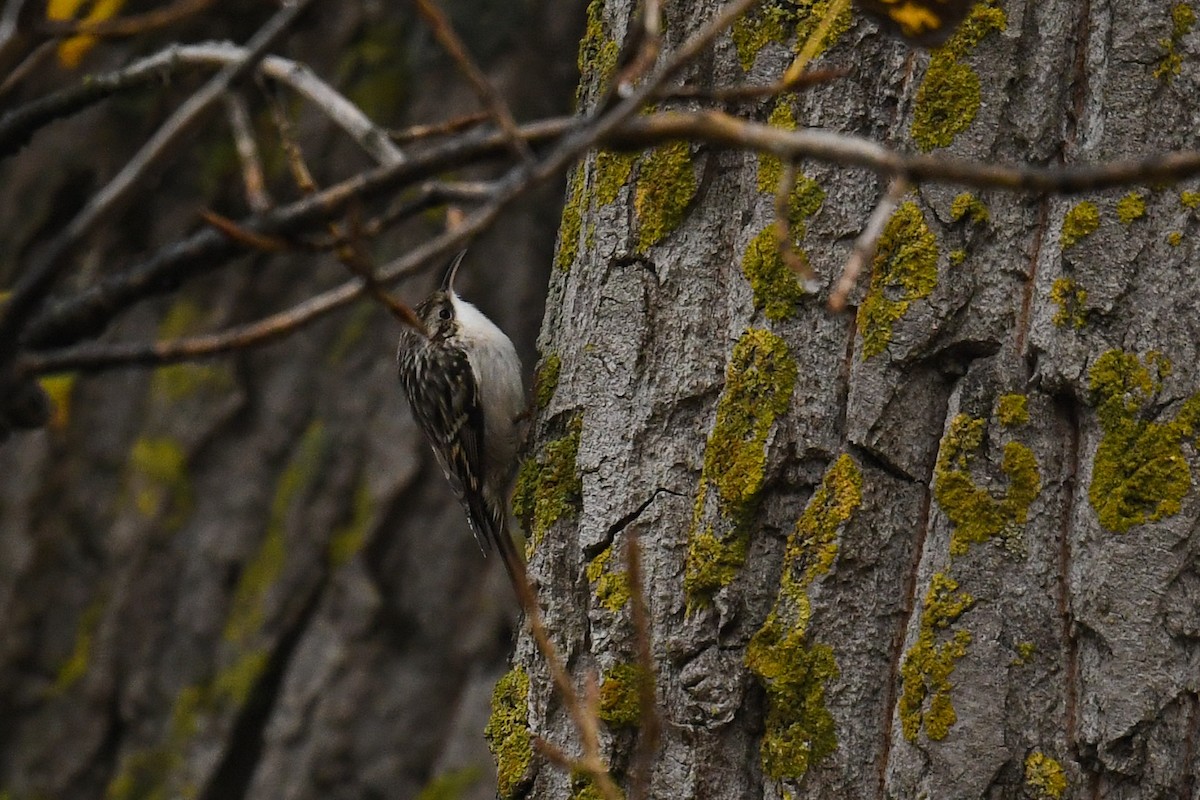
pixel 897 646
pixel 233 775
pixel 1039 234
pixel 1070 644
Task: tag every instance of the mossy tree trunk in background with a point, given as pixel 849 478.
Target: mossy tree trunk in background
pixel 943 546
pixel 246 577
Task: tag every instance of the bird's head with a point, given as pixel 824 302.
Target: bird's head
pixel 438 312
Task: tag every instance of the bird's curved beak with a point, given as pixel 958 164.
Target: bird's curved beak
pixel 448 280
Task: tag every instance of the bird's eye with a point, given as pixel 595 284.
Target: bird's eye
pixel 444 313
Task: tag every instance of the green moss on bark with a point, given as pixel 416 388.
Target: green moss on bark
pixel 549 488
pixel 930 661
pixel 1071 301
pixel 1140 473
pixel 792 670
pixel 904 271
pixel 948 99
pixel 1044 776
pixel 507 732
pixel 666 184
pixel 1080 222
pixel 263 570
pixel 975 514
pixel 620 696
pixel 758 389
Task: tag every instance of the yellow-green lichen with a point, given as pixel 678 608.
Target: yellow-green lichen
pixel 930 661
pixel 957 257
pixel 1183 19
pixel 258 576
pixel 1175 238
pixel 1044 776
pixel 452 785
pixel 546 381
pixel 1071 301
pixel 969 207
pixel 1081 221
pixel 904 270
pixel 794 672
pixel 58 389
pixel 1189 199
pixel 598 52
pixel 1131 207
pixel 799 728
pixel 666 184
pixel 348 539
pixel 158 480
pixel 807 196
pixel 977 516
pixel 758 388
pixel 507 732
pixel 611 173
pixel 1140 472
pixel 1012 410
pixel 76 665
pixel 780 21
pixel 156 772
pixel 620 696
pixel 611 586
pixel 145 775
pixel 777 292
pixel 572 221
pixel 949 96
pixel 548 489
pixel 1025 652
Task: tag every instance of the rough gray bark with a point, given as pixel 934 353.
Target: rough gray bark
pixel 247 578
pixel 1010 607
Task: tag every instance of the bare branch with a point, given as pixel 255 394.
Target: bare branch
pixel 718 128
pixel 867 241
pixel 18 125
pixel 89 312
pixel 247 148
pixel 444 32
pixel 794 261
pixel 34 284
pixel 450 126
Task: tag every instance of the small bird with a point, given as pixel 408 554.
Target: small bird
pixel 462 378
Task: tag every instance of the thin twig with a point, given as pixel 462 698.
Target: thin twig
pixel 86 314
pixel 34 61
pixel 585 718
pixel 35 282
pixel 251 240
pixel 721 129
pixel 741 92
pixel 794 261
pixel 253 179
pixel 867 241
pixel 646 40
pixel 444 32
pixel 416 132
pixel 348 249
pixel 812 46
pixel 19 124
pixel 650 727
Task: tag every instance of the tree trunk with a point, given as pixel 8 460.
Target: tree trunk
pixel 943 546
pixel 247 577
